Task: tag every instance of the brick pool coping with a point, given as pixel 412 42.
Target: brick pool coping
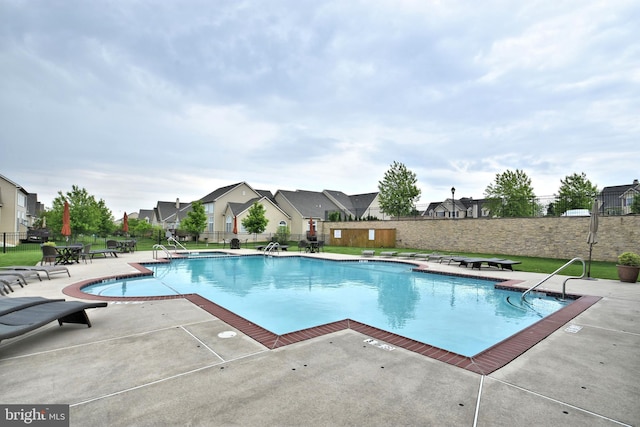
pixel 485 362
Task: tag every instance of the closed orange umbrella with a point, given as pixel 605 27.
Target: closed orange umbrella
pixel 312 232
pixel 125 223
pixel 235 225
pixel 66 220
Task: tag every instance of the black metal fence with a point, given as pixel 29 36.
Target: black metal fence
pixel 20 242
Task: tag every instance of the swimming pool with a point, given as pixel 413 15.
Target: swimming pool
pixel 285 294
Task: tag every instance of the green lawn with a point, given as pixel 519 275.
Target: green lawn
pixel 599 269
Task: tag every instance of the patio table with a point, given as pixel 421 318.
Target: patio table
pixel 68 254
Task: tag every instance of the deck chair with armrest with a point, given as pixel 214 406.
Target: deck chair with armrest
pixel 25 319
pixel 23 274
pixel 49 255
pixel 235 243
pixel 46 269
pixel 7 283
pixel 9 305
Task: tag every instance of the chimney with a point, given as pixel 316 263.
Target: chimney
pixel 635 182
pixel 177 203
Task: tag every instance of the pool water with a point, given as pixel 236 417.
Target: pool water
pixel 285 294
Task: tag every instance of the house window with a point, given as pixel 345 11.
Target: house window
pixel 282 224
pixel 229 224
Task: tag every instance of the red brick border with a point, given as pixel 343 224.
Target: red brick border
pixel 484 362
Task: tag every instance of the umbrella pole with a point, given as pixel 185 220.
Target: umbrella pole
pixel 589 270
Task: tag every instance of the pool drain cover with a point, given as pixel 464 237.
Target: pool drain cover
pixel 227 334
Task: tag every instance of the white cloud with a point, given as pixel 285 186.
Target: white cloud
pixel 142 102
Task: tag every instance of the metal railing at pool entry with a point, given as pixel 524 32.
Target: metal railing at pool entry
pixel 272 246
pixel 165 250
pixel 584 269
pixel 173 242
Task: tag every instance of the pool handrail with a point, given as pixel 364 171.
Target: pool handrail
pixel 554 273
pixel 172 241
pixel 159 246
pixel 270 247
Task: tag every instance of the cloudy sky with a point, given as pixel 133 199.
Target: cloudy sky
pixel 141 101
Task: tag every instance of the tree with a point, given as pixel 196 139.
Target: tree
pixel 397 191
pixel 635 204
pixel 139 228
pixel 255 222
pixel 88 216
pixel 511 195
pixel 196 220
pixel 282 235
pixel 576 192
pixel 105 220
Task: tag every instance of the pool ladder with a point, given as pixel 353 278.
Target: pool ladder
pixel 553 274
pixel 271 247
pixel 175 243
pixel 161 247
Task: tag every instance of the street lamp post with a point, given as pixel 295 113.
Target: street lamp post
pixel 453 202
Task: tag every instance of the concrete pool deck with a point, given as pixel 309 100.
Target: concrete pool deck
pixel 162 363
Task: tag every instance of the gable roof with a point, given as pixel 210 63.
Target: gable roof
pixel 309 203
pixel 167 211
pixel 265 193
pixel 146 213
pixel 617 190
pixel 216 194
pixel 238 208
pixel 356 205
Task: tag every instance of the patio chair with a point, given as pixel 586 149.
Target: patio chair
pixel 235 243
pixel 46 269
pixel 6 283
pixel 49 255
pixel 9 305
pixel 22 274
pixel 303 245
pixel 24 319
pixel 86 253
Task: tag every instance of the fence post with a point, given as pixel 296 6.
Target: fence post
pixel 4 242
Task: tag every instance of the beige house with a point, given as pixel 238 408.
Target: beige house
pixel 236 212
pixel 14 207
pixel 225 203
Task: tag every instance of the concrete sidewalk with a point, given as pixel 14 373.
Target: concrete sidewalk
pixel 166 363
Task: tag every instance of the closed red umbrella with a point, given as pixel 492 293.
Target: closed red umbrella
pixel 66 220
pixel 125 223
pixel 235 225
pixel 312 232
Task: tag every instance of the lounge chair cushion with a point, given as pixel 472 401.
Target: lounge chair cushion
pixel 31 317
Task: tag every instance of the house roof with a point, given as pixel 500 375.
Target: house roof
pixel 617 190
pixel 145 213
pixel 309 203
pixel 238 208
pixel 356 204
pixel 167 211
pixel 216 194
pixel 265 193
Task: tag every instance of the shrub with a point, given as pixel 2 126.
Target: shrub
pixel 629 258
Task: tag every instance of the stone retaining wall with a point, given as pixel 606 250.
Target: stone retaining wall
pixel 547 237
